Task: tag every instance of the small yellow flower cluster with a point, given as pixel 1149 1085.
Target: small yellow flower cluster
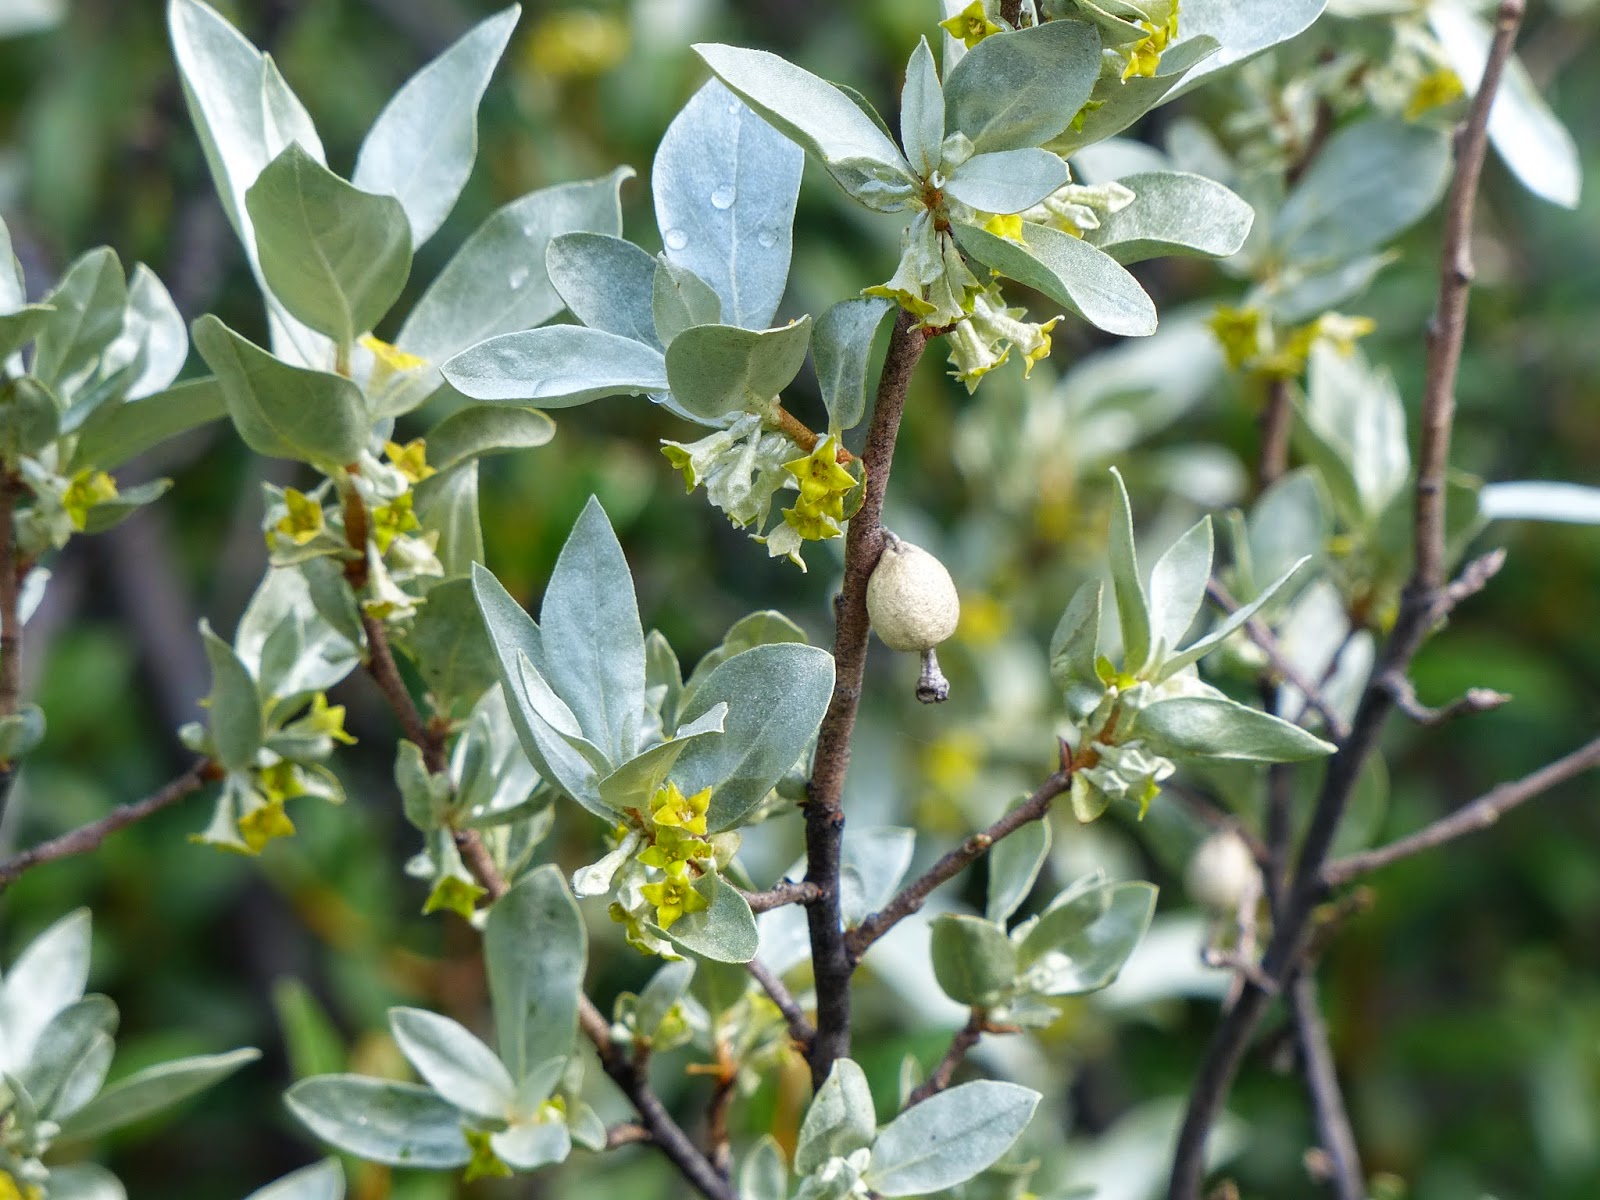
pixel 1436 89
pixel 985 339
pixel 301 523
pixel 1144 56
pixel 1251 343
pixel 824 484
pixel 575 44
pixel 971 25
pixel 87 489
pixel 680 825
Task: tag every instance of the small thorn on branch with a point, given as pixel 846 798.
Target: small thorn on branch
pixel 1476 700
pixel 1474 577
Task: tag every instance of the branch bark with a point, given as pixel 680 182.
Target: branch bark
pixel 831 962
pixel 1277 418
pixel 1322 1081
pixel 10 614
pixel 961 1045
pixel 782 893
pixel 800 1029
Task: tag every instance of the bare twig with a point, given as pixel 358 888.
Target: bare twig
pixel 10 614
pixel 1471 817
pixel 88 837
pixel 912 897
pixel 803 435
pixel 1474 577
pixel 782 893
pixel 629 1133
pixel 961 1044
pixel 1343 1160
pixel 1277 418
pixel 800 1029
pixel 831 962
pixel 1475 700
pixel 1418 612
pixel 1258 633
pixel 381 666
pixel 719 1143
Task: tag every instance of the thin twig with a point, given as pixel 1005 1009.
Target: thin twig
pixel 1418 609
pixel 961 1043
pixel 800 1028
pixel 803 435
pixel 629 1133
pixel 831 962
pixel 1258 633
pixel 10 614
pixel 1277 418
pixel 88 837
pixel 782 893
pixel 1474 700
pixel 1343 1159
pixel 381 666
pixel 1472 817
pixel 719 1143
pixel 915 894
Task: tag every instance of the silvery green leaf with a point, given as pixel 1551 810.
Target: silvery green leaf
pixel 1537 500
pixel 872 863
pixel 1075 644
pixel 86 1075
pixel 1354 432
pixel 1135 96
pixel 325 654
pixel 13 286
pixel 1174 213
pixel 477 432
pixel 764 1175
pixel 1020 89
pixel 1117 158
pixel 448 644
pixel 116 432
pixel 817 115
pixel 922 112
pixel 1289 518
pixel 398 1124
pixel 447 504
pixel 776 696
pixel 1215 728
pixel 840 1121
pixel 320 1181
pixel 593 642
pixel 335 256
pixel 1080 943
pixel 606 282
pixel 764 628
pixel 1014 866
pixel 1074 274
pixel 663 678
pixel 87 307
pixel 724 932
pixel 680 300
pixel 661 995
pixel 715 370
pixel 556 367
pixel 18 328
pixel 453 1062
pixel 47 977
pixel 149 1091
pixel 85 1181
pixel 1243 28
pixel 21 732
pixel 950 1137
pixel 535 949
pixel 1526 134
pixel 1372 181
pixel 725 184
pixel 282 411
pixel 1178 585
pixel 1133 610
pixel 1225 629
pixel 1300 294
pixel 527 1145
pixel 153 336
pixel 235 706
pixel 841 346
pixel 496 283
pixel 30 418
pixel 634 783
pixel 973 959
pixel 421 148
pixel 1007 181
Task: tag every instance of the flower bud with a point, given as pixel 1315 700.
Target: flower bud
pixel 1222 875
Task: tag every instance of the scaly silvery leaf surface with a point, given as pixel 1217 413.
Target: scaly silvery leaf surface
pixel 320 1181
pixel 949 1138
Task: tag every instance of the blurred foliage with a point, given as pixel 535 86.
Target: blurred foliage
pixel 1465 1003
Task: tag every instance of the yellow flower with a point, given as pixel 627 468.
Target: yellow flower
pixel 326 718
pixel 265 824
pixel 811 527
pixel 454 894
pixel 1082 114
pixel 908 300
pixel 1342 331
pixel 674 896
pixel 971 25
pixel 824 484
pixel 10 1189
pixel 303 520
pixel 670 807
pixel 1145 55
pixel 1434 90
pixel 1008 226
pixel 411 460
pixel 393 519
pixel 391 359
pixel 87 489
pixel 485 1163
pixel 280 782
pixel 673 846
pixel 1239 332
pixel 576 43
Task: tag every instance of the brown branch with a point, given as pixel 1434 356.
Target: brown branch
pixel 1474 700
pixel 719 1143
pixel 831 962
pixel 629 1133
pixel 88 837
pixel 381 666
pixel 915 894
pixel 800 1029
pixel 1257 631
pixel 1472 817
pixel 802 434
pixel 10 613
pixel 1418 612
pixel 1341 1156
pixel 1011 12
pixel 1277 419
pixel 782 893
pixel 961 1043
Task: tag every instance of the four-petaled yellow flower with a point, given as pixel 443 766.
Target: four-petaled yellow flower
pixel 824 484
pixel 1434 90
pixel 411 460
pixel 265 824
pixel 393 519
pixel 323 717
pixel 391 359
pixel 674 896
pixel 454 894
pixel 674 846
pixel 1239 332
pixel 303 521
pixel 1006 225
pixel 87 489
pixel 1144 56
pixel 671 808
pixel 971 25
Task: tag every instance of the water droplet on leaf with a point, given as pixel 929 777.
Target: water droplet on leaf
pixel 723 197
pixel 518 278
pixel 676 239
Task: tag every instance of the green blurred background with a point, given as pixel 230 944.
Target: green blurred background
pixel 1465 1003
